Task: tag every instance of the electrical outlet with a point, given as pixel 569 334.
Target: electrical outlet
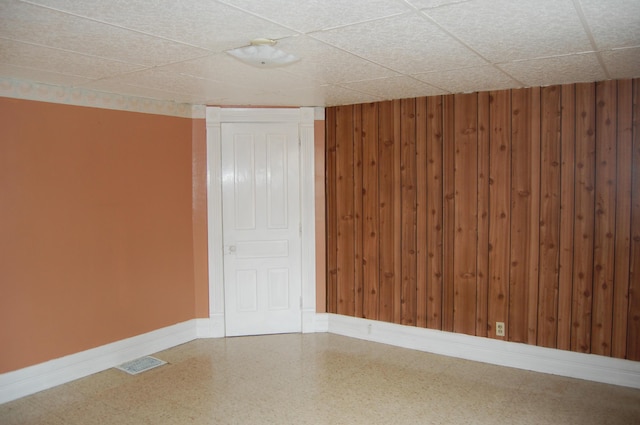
pixel 499 328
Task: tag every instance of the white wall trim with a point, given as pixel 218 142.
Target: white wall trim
pixel 304 117
pixel 32 379
pixel 307 217
pixel 522 356
pixel 214 214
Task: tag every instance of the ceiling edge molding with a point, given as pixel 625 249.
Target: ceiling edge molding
pixel 30 90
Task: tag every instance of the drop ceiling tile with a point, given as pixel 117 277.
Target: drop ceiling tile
pixel 408 44
pixel 622 63
pixel 325 95
pixel 328 64
pixel 37 25
pixel 203 23
pixel 60 61
pixel 481 78
pixel 395 88
pixel 307 16
pixel 429 4
pixel 223 67
pixel 556 70
pixel 186 88
pixel 507 30
pixel 613 23
pixel 117 86
pixel 330 95
pixel 39 75
pixel 239 96
pixel 246 96
pixel 158 79
pixel 222 94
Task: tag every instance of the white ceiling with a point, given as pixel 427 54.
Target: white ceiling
pixel 352 51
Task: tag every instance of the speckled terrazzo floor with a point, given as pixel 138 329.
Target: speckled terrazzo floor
pixel 322 379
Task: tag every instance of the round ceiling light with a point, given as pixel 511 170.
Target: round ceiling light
pixel 261 53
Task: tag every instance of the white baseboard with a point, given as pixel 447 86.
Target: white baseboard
pixel 32 379
pixel 522 356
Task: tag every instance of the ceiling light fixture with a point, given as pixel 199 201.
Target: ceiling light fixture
pixel 262 54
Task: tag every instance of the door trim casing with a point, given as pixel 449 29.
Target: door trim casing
pixel 304 117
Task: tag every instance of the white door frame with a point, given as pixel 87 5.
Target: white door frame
pixel 304 117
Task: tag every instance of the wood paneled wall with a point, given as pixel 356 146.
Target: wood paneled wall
pixel 519 206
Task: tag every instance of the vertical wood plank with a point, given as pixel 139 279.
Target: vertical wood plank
pixel 331 217
pixel 550 151
pixel 357 210
pixel 567 199
pixel 435 201
pixel 482 282
pixel 370 259
pixel 520 192
pixel 397 212
pixel 605 218
pixel 466 187
pixel 584 218
pixel 633 324
pixel 421 212
pixel 449 211
pixel 500 211
pixel 345 210
pixel 408 215
pixel 525 210
pixel 386 198
pixel 533 278
pixel 624 152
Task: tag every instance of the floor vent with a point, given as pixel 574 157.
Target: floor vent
pixel 140 365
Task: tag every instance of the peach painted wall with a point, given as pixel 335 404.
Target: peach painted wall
pixel 97 217
pixel 200 236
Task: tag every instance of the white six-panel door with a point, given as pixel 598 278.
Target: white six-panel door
pixel 261 231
